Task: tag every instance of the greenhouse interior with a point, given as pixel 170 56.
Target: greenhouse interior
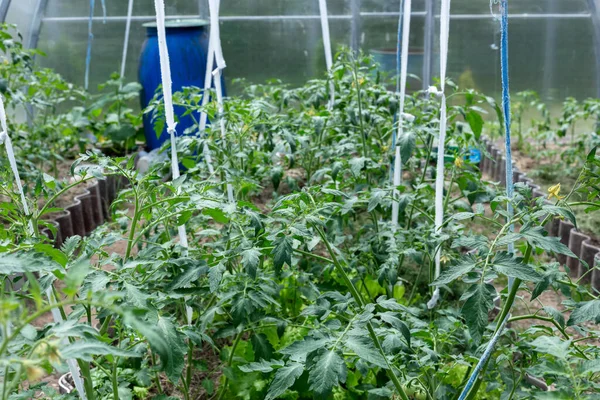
pixel 299 199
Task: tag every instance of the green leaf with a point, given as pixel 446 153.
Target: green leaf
pixel 480 300
pixel 535 236
pixel 302 348
pixel 557 315
pixel 477 242
pixel 328 369
pixel 555 210
pixel 465 265
pixel 20 263
pixel 284 379
pixel 504 263
pixel 357 164
pixel 407 142
pixel 75 276
pixel 261 366
pixel 250 260
pixel 262 347
pixel 215 274
pixel 282 253
pixel 475 121
pixel 365 349
pixel 53 253
pixel 174 361
pixel 585 311
pixel 463 215
pixel 589 366
pixel 86 350
pixel 216 214
pixel 135 296
pixel 191 274
pixel 552 345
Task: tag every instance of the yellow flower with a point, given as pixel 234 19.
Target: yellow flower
pixel 311 112
pixel 361 81
pixel 34 373
pixel 458 162
pixel 444 259
pixel 555 192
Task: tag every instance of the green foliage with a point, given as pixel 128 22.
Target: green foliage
pixel 301 288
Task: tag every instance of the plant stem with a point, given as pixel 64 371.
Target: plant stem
pixel 361 303
pixel 223 388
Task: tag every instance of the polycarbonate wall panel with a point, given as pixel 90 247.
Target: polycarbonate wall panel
pixel 290 50
pixel 554 56
pixel 21 13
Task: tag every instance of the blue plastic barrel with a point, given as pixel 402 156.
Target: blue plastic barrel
pixel 187 41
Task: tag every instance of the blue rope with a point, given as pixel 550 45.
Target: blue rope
pixel 398 59
pixel 88 58
pixel 506 109
pixel 509 184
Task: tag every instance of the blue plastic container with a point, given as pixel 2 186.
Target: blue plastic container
pixel 187 41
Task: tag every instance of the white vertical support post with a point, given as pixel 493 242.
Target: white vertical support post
pixel 327 46
pixel 165 72
pixel 5 138
pixel 405 23
pixel 439 179
pixel 215 38
pixel 126 40
pixel 210 61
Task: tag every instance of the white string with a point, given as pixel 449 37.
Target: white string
pixel 210 60
pixel 327 46
pixel 5 139
pixel 439 179
pixel 216 41
pixel 165 72
pixel 403 73
pixel 126 41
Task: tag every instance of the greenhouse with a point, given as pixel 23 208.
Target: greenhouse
pixel 299 199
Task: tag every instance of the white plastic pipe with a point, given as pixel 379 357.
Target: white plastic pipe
pixel 406 14
pixel 439 179
pixel 327 46
pixel 126 40
pixel 5 138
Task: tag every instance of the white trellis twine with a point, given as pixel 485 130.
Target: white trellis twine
pixel 210 61
pixel 327 46
pixel 5 139
pixel 165 72
pixel 439 179
pixel 215 38
pixel 126 40
pixel 401 116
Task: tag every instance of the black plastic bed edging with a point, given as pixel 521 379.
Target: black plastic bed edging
pixel 580 244
pixel 88 211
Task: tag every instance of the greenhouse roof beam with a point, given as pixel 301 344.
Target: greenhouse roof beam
pixel 315 17
pixel 36 23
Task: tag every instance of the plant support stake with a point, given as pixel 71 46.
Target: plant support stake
pixel 402 86
pixel 126 40
pixel 509 188
pixel 210 61
pixel 215 38
pixel 165 72
pixel 5 139
pixel 327 46
pixel 439 179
